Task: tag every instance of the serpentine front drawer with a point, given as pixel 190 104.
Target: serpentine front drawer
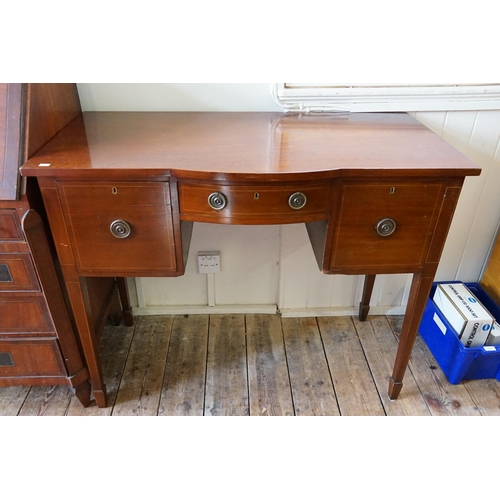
pixel 120 228
pixel 254 204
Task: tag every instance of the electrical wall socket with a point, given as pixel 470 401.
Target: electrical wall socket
pixel 208 262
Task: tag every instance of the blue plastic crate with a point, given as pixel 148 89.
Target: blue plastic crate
pixel 457 361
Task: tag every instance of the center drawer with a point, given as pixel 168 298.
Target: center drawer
pixel 253 204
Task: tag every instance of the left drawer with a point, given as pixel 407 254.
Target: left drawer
pixel 120 228
pixel 17 273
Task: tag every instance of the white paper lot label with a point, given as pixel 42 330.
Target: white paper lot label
pixel 439 323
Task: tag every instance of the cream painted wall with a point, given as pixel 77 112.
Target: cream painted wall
pixel 269 267
pixel 177 97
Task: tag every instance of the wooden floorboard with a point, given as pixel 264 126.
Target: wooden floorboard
pixel 260 365
pixel 354 385
pixel 312 387
pixel 12 399
pixel 183 392
pixel 115 348
pixel 49 401
pixel 141 384
pixel 268 378
pixel 441 397
pixel 380 346
pixel 486 395
pixel 226 390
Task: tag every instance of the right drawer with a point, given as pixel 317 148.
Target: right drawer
pixel 384 225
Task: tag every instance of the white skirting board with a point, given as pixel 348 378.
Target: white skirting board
pixel 180 310
pixel 264 309
pixel 341 311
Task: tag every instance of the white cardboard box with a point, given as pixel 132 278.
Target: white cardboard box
pixel 464 312
pixel 494 335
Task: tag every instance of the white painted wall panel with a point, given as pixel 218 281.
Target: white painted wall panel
pixel 456 128
pixel 483 149
pixel 249 269
pixel 275 265
pixel 477 135
pixel 298 269
pixel 249 261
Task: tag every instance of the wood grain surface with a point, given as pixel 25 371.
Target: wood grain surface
pixel 254 145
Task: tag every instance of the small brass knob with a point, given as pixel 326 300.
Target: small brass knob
pixel 120 228
pixel 297 200
pixel 385 226
pixel 217 201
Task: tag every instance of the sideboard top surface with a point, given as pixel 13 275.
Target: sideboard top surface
pixel 246 145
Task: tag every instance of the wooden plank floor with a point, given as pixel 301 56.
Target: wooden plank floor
pixel 260 365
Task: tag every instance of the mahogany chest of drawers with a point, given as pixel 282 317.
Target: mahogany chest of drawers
pixel 38 339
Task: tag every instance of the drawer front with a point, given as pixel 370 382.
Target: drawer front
pixel 10 230
pixel 120 229
pixel 31 358
pixel 383 225
pixel 17 273
pixel 257 204
pixel 24 314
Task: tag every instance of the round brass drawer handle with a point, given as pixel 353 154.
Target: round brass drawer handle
pixel 120 228
pixel 297 200
pixel 217 201
pixel 385 226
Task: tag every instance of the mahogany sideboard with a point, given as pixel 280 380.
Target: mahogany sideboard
pixel 39 344
pixel 122 190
